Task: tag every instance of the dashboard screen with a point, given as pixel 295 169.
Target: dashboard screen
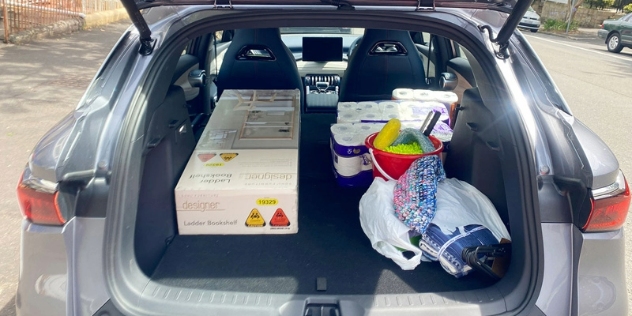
pixel 322 49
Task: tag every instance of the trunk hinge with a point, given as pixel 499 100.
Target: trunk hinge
pixel 503 52
pixel 426 5
pixel 505 33
pixel 228 5
pixel 146 42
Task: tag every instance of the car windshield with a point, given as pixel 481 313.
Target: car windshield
pixel 531 9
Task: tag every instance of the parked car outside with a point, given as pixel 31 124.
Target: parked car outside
pixel 617 33
pixel 100 236
pixel 530 21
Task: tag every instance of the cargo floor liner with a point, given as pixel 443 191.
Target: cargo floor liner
pixel 330 244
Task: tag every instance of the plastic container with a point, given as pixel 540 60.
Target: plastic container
pixel 391 166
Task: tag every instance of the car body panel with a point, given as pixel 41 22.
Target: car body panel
pixel 42 288
pixel 601 287
pixel 80 240
pixel 558 269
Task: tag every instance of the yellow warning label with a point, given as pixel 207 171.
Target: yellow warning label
pixel 214 164
pixel 228 156
pixel 255 219
pixel 267 201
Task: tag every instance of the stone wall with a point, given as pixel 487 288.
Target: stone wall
pixel 584 16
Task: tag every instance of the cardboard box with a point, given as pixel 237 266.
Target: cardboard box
pixel 254 119
pixel 239 192
pixel 242 177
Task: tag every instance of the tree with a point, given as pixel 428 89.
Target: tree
pixel 573 5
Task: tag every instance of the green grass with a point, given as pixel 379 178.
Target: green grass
pixel 558 25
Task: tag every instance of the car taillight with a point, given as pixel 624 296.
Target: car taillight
pixel 39 203
pixel 609 207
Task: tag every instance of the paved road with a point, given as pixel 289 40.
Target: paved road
pixel 40 83
pixel 43 81
pixel 597 85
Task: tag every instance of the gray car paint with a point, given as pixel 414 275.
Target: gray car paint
pixel 558 269
pixel 44 244
pixel 601 275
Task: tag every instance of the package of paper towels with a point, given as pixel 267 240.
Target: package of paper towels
pixel 351 160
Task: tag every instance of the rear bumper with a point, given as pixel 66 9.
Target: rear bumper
pixel 603 33
pixel 61 268
pixel 601 281
pixel 43 274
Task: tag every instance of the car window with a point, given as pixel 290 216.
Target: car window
pixel 628 18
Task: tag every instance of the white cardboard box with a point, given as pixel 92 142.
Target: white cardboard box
pixel 254 119
pixel 238 192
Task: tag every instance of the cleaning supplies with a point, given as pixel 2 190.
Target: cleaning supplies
pixel 388 134
pixel 405 149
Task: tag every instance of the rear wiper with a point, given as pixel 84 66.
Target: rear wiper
pixel 341 4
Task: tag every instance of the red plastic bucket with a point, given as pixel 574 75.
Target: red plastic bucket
pixel 391 166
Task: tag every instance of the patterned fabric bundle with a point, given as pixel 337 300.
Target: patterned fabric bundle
pixel 415 193
pixel 447 248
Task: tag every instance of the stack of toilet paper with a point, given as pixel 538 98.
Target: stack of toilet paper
pixel 382 111
pixel 351 159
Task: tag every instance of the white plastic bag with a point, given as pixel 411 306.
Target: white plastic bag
pixel 379 223
pixel 460 204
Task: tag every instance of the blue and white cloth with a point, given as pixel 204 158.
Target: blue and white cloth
pixel 447 248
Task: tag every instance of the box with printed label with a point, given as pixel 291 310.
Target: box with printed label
pixel 254 119
pixel 229 192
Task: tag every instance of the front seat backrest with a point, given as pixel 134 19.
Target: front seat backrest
pixel 383 61
pixel 258 59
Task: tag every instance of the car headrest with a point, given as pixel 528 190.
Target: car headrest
pixel 387 42
pixel 257 43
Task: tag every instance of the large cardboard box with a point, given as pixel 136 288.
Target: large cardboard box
pixel 242 177
pixel 239 192
pixel 254 119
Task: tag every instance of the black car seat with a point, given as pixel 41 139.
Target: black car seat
pixel 383 61
pixel 170 142
pixel 474 150
pixel 258 59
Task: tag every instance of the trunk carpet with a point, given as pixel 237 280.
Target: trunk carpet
pixel 330 244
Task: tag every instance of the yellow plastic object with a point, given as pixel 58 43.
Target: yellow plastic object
pixel 405 149
pixel 388 134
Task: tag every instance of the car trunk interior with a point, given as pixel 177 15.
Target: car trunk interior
pixel 330 243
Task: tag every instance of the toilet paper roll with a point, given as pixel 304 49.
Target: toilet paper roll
pixel 442 131
pixel 423 95
pixel 348 117
pixel 388 106
pixel 349 140
pixel 343 129
pixel 348 166
pixel 376 128
pixel 446 97
pixel 420 110
pixel 364 129
pixel 403 94
pixel 347 106
pixel 368 106
pixel 370 116
pixel 386 116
